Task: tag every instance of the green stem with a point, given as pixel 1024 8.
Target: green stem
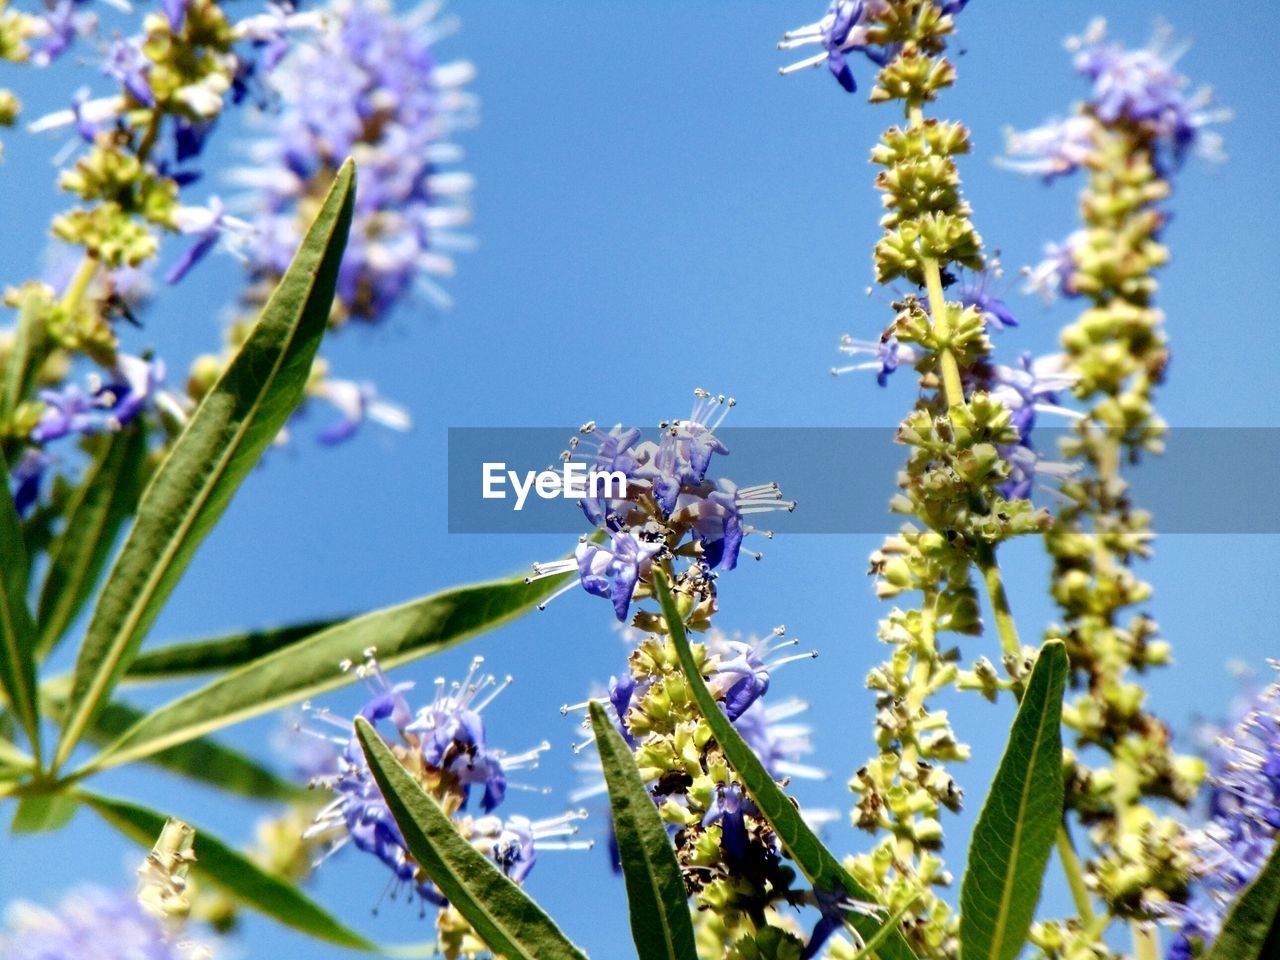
pixel 1008 630
pixel 84 275
pixel 1146 940
pixel 1075 876
pixel 952 385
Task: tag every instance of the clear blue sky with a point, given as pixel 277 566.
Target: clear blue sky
pixel 658 210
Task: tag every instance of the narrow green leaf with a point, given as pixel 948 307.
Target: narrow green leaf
pixel 232 872
pixel 44 813
pixel 106 497
pixel 25 356
pixel 228 433
pixel 870 946
pixel 220 653
pixel 17 629
pixel 1252 928
pixel 660 922
pixel 1015 831
pixel 500 912
pixel 822 868
pixel 202 759
pixel 310 666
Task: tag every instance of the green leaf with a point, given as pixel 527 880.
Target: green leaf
pixel 232 872
pixel 106 497
pixel 824 871
pixel 1251 930
pixel 310 666
pixel 229 431
pixel 1019 821
pixel 660 922
pixel 202 759
pixel 44 812
pixel 24 357
pixel 17 629
pixel 220 653
pixel 500 912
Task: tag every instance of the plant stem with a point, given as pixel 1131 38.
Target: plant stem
pixel 84 275
pixel 951 382
pixel 1146 941
pixel 1075 876
pixel 1008 630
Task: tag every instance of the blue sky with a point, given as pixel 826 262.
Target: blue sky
pixel 658 210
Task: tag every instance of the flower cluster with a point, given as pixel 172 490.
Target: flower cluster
pixel 1139 89
pixel 971 462
pixel 1244 818
pixel 444 745
pixel 669 509
pixel 732 862
pixel 370 86
pixel 870 27
pixel 92 924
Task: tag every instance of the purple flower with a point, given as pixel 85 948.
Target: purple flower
pixel 1143 87
pixel 25 478
pixel 356 403
pixel 1051 277
pixel 176 13
pixel 369 83
pixel 89 924
pixel 1055 149
pixel 887 355
pixel 743 670
pixel 127 64
pixel 447 737
pixel 1244 817
pixel 842 30
pixel 208 225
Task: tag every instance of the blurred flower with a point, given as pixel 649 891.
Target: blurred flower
pixel 1143 87
pixel 1057 148
pixel 1244 817
pixel 369 86
pixel 208 225
pixel 1051 277
pixel 91 924
pixel 356 403
pixel 886 355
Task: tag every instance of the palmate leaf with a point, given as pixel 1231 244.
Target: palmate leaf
pixel 232 872
pixel 1251 930
pixel 310 666
pixel 819 865
pixel 228 433
pixel 1019 821
pixel 105 498
pixel 502 914
pixel 220 653
pixel 660 922
pixel 17 629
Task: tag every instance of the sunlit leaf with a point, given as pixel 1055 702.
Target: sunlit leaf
pixel 234 424
pixel 232 872
pixel 821 867
pixel 310 666
pixel 1015 832
pixel 104 500
pixel 17 629
pixel 660 923
pixel 502 914
pixel 219 653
